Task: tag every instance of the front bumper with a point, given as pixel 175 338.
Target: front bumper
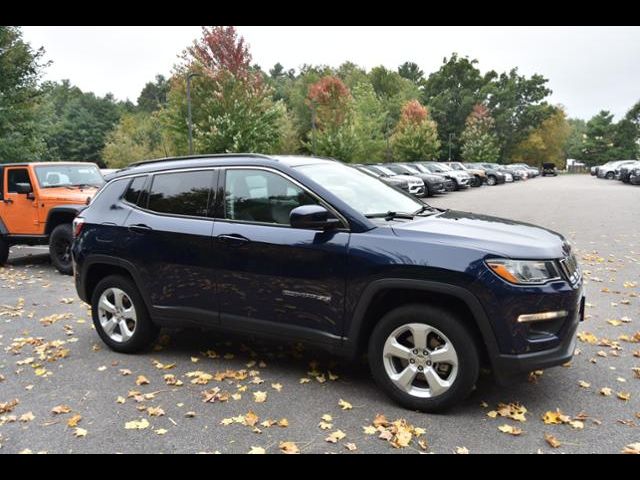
pixel 417 190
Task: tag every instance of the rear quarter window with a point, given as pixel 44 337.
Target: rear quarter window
pixel 134 194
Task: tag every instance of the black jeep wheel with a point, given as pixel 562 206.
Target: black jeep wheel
pixel 4 251
pixel 60 248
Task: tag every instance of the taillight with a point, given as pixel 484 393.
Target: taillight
pixel 78 223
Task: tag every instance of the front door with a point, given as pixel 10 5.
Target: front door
pixel 268 273
pixel 19 210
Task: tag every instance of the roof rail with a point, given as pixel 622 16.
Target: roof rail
pixel 196 157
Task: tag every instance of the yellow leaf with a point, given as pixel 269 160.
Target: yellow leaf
pixel 623 396
pixel 345 405
pixel 380 421
pixel 588 337
pixel 327 418
pixel 277 387
pixel 257 451
pixel 250 419
pixel 369 430
pixel 120 400
pixel 615 323
pixel 74 421
pixel 552 441
pixel 462 450
pixel 350 446
pixel 402 438
pixel 142 380
pixel 155 411
pixel 606 391
pixel 27 417
pixel 289 447
pixel 161 431
pixel 137 424
pixel 333 378
pixel 554 418
pixel 80 432
pixel 259 397
pixel 325 426
pixel 335 436
pixel 632 448
pixel 577 424
pixel 283 422
pixel 492 414
pixel 304 380
pixel 584 384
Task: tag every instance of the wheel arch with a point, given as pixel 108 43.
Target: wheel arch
pixel 101 266
pixel 61 215
pixel 381 296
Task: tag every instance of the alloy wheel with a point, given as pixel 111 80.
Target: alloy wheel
pixel 117 315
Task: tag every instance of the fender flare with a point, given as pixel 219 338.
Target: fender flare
pixel 72 209
pixel 462 294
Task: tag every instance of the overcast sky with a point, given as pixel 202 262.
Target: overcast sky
pixel 589 68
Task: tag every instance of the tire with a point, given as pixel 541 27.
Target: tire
pixel 477 181
pixel 609 176
pixel 4 251
pixel 60 248
pixel 492 180
pixel 140 333
pixel 463 370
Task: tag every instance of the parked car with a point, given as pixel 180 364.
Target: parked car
pixel 310 249
pixel 518 173
pixel 397 181
pixel 433 184
pixel 532 172
pixel 508 175
pixel 549 169
pixel 623 171
pixel 608 170
pixel 461 179
pixel 478 176
pixel 416 185
pixel 634 176
pixel 492 176
pixel 38 202
pixel 593 171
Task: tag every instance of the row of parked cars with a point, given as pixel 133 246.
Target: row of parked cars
pixel 424 179
pixel 627 171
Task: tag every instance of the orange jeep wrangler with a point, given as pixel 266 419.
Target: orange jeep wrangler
pixel 38 202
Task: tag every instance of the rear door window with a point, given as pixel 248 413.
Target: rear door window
pixel 134 193
pixel 182 193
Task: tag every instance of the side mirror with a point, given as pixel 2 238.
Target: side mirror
pixel 312 217
pixel 24 188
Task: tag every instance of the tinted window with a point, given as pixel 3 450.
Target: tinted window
pixel 261 196
pixel 184 193
pixel 15 176
pixel 135 189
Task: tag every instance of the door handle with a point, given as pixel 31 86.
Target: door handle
pixel 140 228
pixel 234 239
pixel 8 201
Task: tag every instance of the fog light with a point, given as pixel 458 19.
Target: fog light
pixel 541 317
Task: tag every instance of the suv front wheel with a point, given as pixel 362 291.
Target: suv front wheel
pixel 4 251
pixel 423 357
pixel 120 315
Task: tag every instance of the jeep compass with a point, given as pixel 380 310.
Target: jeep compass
pixel 314 250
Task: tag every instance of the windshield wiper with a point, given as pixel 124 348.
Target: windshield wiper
pixel 391 215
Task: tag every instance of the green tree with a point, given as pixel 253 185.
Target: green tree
pixel 20 69
pixel 369 122
pixel 154 95
pixel 416 135
pixel 233 109
pixel 479 141
pixel 546 143
pixel 574 146
pixel 138 136
pixel 518 108
pixel 412 72
pixel 451 94
pixel 599 140
pixel 77 123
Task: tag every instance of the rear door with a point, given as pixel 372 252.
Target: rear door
pixel 19 211
pixel 168 238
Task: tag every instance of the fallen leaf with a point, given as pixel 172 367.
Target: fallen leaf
pixel 277 387
pixel 160 431
pixel 327 418
pixel 511 430
pixel 588 337
pixel 344 405
pixel 305 380
pixel 335 437
pixel 120 400
pixel 259 397
pixel 350 446
pixel 60 409
pixel 257 451
pixel 27 417
pixel 555 418
pixel 142 380
pixel 462 450
pixel 326 426
pixel 155 412
pixel 74 421
pixel 137 424
pixel 80 432
pixel 125 372
pixel 552 441
pixel 380 421
pixel 289 447
pixel 632 448
pixel 584 384
pixel 251 419
pixel 606 391
pixel 623 396
pixel 577 424
pixel 369 430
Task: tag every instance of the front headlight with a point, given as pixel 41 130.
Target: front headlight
pixel 525 272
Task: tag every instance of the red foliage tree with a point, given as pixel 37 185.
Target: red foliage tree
pixel 413 112
pixel 331 99
pixel 221 50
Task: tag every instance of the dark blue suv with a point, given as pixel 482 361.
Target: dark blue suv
pixel 311 249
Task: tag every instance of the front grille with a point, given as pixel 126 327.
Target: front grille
pixel 570 269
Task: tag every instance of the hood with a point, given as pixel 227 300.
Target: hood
pixel 496 236
pixel 71 195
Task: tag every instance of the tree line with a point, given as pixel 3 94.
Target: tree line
pixel 346 112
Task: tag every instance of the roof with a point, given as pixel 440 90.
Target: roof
pixel 172 163
pixel 40 164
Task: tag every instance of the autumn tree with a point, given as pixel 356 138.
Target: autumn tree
pixel 547 143
pixel 331 104
pixel 232 105
pixel 479 141
pixel 415 137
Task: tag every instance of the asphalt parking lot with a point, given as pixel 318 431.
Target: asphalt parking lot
pixel 51 357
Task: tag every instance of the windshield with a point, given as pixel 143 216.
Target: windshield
pixel 50 176
pixel 360 191
pixel 412 169
pixel 457 166
pixel 421 168
pixel 435 168
pixel 384 170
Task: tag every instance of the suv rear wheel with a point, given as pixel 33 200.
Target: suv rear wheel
pixel 492 180
pixel 423 357
pixel 120 315
pixel 4 251
pixel 60 248
pixel 610 175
